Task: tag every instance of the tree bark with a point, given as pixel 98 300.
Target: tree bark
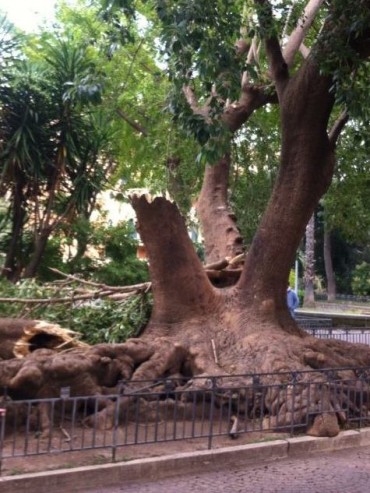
pixel 12 267
pixel 309 272
pixel 222 238
pixel 307 164
pixel 198 329
pixel 329 271
pixel 38 251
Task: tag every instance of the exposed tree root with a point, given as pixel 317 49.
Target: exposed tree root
pixel 295 396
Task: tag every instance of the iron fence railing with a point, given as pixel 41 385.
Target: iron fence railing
pixel 354 335
pixel 322 327
pixel 168 410
pixel 314 322
pixel 344 297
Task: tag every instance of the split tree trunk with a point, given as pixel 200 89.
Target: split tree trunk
pixel 20 337
pixel 222 238
pixel 197 329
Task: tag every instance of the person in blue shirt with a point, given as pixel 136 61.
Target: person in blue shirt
pixel 292 301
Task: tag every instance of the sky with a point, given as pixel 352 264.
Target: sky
pixel 28 14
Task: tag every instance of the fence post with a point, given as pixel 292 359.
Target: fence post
pixel 211 413
pixel 2 435
pixel 121 391
pixel 294 388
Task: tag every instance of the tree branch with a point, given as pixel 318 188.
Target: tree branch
pixel 193 103
pixel 299 33
pixel 337 128
pixel 131 122
pixel 144 286
pixel 304 50
pixel 278 66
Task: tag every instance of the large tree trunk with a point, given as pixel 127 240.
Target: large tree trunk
pixel 309 264
pixel 222 238
pixel 195 329
pixel 329 271
pixel 198 329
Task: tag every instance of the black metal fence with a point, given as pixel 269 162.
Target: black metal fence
pixel 355 335
pixel 314 322
pixel 344 297
pixel 169 410
pixel 322 327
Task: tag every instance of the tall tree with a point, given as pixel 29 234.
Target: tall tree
pixel 219 86
pixel 53 146
pixel 197 329
pixel 329 271
pixel 345 208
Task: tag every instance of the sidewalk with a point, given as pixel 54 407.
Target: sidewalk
pixel 152 469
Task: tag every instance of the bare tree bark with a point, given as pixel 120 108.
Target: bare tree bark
pixel 12 265
pixel 329 271
pixel 222 238
pixel 309 271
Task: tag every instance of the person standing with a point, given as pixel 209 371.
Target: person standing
pixel 292 300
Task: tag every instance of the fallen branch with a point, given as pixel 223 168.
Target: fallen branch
pixel 124 289
pixel 222 269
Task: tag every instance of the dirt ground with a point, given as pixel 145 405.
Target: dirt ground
pixel 64 457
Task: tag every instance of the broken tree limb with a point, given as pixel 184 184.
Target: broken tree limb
pixel 19 337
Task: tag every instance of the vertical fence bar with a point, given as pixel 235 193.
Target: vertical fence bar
pixel 294 382
pixel 2 436
pixel 211 412
pixel 115 428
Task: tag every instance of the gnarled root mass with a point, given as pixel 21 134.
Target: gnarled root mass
pixel 291 389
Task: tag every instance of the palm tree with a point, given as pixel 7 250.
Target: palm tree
pixel 53 138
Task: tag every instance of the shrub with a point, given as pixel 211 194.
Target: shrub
pixel 361 279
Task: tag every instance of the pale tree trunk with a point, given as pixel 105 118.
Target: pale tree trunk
pixel 329 271
pixel 309 264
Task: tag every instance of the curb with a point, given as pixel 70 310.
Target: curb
pixel 152 469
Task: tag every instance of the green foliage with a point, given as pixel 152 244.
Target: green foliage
pixel 112 322
pixel 104 254
pixel 120 265
pixel 136 96
pixel 361 279
pixel 255 164
pixel 197 41
pixel 55 151
pixel 97 320
pixel 347 201
pixel 337 52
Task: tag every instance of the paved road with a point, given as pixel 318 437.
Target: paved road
pixel 343 471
